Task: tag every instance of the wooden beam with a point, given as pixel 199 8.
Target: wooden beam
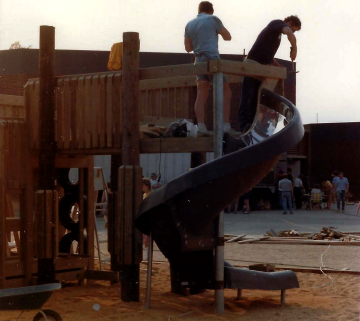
pixel 176 145
pixel 11 100
pixel 245 69
pixel 2 204
pixel 174 71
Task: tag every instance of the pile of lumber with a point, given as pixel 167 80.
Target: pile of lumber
pixel 327 236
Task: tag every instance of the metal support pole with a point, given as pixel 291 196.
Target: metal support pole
pixel 149 273
pixel 282 297
pixel 218 144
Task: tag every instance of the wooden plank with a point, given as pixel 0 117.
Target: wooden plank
pixel 9 164
pixel 71 261
pixel 81 184
pixel 81 112
pixel 314 242
pixel 95 112
pixel 179 103
pixel 27 208
pixel 150 84
pixel 109 115
pixel 12 100
pixel 173 71
pixel 128 214
pixel 137 253
pixel 90 214
pixel 16 154
pixel 117 110
pixel 74 113
pixel 11 215
pixel 253 240
pixel 165 102
pixel 29 106
pixel 2 204
pixel 119 214
pixel 158 101
pixel 246 69
pixel 102 111
pixel 172 102
pixel 111 276
pixel 235 238
pixel 67 113
pixel 176 145
pixel 59 99
pixel 77 275
pixel 88 112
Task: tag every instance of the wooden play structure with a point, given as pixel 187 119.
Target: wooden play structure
pixel 65 121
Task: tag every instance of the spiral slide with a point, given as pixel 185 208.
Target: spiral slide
pixel 182 215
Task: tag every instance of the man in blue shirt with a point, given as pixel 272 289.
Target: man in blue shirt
pixel 201 37
pixel 342 187
pixel 263 52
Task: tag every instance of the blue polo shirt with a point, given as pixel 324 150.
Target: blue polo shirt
pixel 203 32
pixel 341 184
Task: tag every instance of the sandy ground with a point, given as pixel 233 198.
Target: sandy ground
pixel 320 297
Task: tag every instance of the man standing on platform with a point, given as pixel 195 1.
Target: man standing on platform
pixel 201 37
pixel 263 52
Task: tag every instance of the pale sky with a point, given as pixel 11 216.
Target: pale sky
pixel 328 44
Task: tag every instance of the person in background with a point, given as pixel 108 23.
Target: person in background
pixel 279 177
pixel 247 202
pixel 342 188
pixel 146 188
pixel 335 177
pixel 326 187
pixel 287 193
pixel 155 181
pixel 358 209
pixel 298 186
pixel 236 205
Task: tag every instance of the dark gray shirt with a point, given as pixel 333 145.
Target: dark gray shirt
pixel 285 185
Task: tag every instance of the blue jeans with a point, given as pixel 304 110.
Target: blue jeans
pixel 341 196
pixel 286 197
pixel 248 101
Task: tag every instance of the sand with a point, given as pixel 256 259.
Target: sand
pixel 320 297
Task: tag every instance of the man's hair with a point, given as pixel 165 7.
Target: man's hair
pixel 289 170
pixel 336 173
pixel 295 21
pixel 206 6
pixel 317 186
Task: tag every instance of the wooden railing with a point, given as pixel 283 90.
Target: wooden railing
pixel 89 106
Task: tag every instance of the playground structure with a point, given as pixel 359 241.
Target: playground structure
pixel 69 119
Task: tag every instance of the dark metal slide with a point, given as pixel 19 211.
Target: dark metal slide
pixel 182 215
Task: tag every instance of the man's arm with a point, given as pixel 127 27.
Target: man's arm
pixel 292 39
pixel 225 34
pixel 188 44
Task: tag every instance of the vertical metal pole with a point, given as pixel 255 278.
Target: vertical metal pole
pixel 149 273
pixel 218 144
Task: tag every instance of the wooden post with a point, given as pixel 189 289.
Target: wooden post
pixel 131 184
pixel 47 108
pixel 218 143
pixel 2 205
pixel 45 205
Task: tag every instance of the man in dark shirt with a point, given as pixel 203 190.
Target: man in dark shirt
pixel 263 52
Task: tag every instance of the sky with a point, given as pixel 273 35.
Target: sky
pixel 328 44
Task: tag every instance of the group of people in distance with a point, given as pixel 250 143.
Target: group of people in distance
pixel 290 189
pixel 201 37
